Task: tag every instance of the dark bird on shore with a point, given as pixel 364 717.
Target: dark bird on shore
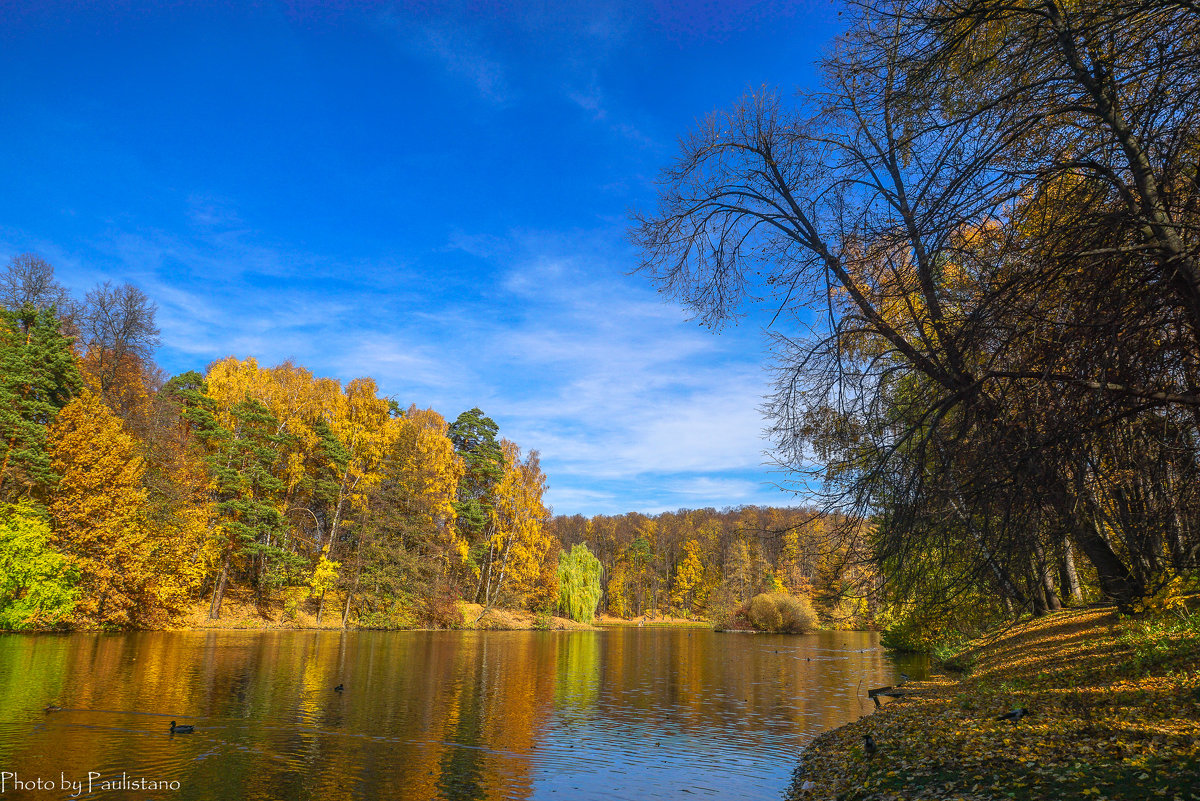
pixel 53 708
pixel 181 729
pixel 1015 715
pixel 869 746
pixel 339 688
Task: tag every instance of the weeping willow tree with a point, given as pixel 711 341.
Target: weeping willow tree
pixel 579 583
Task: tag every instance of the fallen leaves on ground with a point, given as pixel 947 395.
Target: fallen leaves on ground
pixel 1099 727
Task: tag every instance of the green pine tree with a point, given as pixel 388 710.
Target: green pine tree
pixel 473 435
pixel 38 377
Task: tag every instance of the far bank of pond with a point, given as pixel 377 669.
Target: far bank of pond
pixel 627 712
pixel 241 614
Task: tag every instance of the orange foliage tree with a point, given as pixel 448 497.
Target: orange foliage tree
pixel 97 510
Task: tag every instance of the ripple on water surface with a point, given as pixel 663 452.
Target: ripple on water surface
pixel 625 713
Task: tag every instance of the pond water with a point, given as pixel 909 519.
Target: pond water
pixel 628 713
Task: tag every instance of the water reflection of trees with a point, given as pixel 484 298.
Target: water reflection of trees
pixel 454 715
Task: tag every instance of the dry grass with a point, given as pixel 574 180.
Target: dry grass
pixel 241 612
pixel 1114 713
pixel 652 620
pixel 515 620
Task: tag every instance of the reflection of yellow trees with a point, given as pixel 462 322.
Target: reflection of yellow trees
pixel 424 715
pixel 501 694
pixel 31 669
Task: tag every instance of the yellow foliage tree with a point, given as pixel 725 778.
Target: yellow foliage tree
pixel 408 550
pixel 293 395
pixel 97 512
pixel 358 417
pixel 307 409
pixel 363 423
pixel 427 471
pixel 521 543
pixel 618 593
pixel 686 590
pixel 124 383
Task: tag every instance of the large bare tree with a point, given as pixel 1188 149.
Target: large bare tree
pixel 980 245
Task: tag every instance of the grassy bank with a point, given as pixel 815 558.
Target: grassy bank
pixel 242 613
pixel 1114 713
pixel 516 620
pixel 660 620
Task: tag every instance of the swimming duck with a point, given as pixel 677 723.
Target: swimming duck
pixel 339 688
pixel 53 708
pixel 181 729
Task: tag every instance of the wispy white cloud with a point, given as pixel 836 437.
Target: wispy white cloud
pixel 574 45
pixel 617 389
pixel 457 47
pixel 631 406
pixel 592 100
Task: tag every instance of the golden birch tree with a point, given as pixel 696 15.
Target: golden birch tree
pixel 97 510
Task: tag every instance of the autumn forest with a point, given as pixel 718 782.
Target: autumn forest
pixel 131 497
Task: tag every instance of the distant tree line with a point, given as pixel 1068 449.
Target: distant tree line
pixel 706 563
pixel 982 246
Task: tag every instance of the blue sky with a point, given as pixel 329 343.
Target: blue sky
pixel 431 194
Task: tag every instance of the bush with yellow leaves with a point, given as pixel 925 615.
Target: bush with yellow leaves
pixel 778 611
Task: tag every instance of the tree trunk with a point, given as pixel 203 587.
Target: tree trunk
pixel 1070 578
pixel 485 573
pixel 1046 577
pixel 349 598
pixel 353 588
pixel 1008 588
pixel 1116 582
pixel 214 610
pixel 1038 594
pixel 493 590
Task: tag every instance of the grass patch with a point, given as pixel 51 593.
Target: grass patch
pixel 953 658
pixel 1161 642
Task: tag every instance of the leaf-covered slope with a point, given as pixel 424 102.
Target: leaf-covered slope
pixel 1114 713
